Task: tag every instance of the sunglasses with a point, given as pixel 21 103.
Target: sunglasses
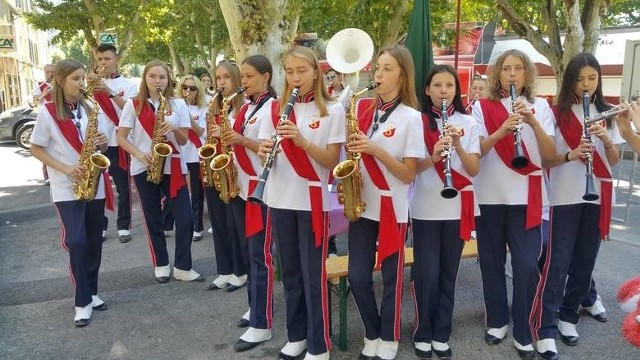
pixel 481 76
pixel 331 77
pixel 191 88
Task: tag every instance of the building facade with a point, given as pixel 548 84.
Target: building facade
pixel 23 53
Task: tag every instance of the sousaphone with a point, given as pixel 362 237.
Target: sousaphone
pixel 349 50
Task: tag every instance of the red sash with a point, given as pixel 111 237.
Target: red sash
pixel 107 106
pixel 70 133
pixel 43 86
pixel 467 218
pixel 147 119
pixel 194 138
pixel 390 240
pixel 494 114
pixel 571 129
pixel 302 165
pixel 253 214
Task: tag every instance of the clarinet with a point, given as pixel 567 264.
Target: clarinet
pixel 590 193
pixel 257 196
pixel 519 160
pixel 448 192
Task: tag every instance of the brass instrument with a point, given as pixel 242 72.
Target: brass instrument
pixel 211 90
pixel 448 192
pixel 605 114
pixel 159 149
pixel 519 161
pixel 225 173
pixel 92 84
pixel 257 197
pixel 46 92
pixel 590 193
pixel 92 161
pixel 208 150
pixel 348 171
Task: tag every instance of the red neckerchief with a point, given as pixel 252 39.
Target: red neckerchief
pixel 70 132
pixel 494 114
pixel 302 165
pixel 306 98
pixel 193 137
pixel 253 213
pixel 467 218
pixel 389 237
pixel 147 119
pixel 106 104
pixel 43 86
pixel 571 129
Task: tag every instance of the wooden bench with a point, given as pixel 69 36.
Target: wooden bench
pixel 337 271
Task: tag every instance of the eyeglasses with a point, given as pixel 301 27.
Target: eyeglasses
pixel 191 88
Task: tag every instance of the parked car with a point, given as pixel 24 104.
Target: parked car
pixel 17 123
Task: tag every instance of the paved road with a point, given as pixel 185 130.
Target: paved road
pixel 183 321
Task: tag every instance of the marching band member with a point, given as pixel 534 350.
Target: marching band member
pixel 57 141
pixel 205 79
pixel 337 90
pixel 43 91
pixel 232 267
pixel 250 219
pixel 577 225
pixel 312 137
pixel 391 142
pixel 440 225
pixel 511 198
pixel 477 91
pixel 624 125
pixel 191 90
pixel 111 93
pixel 139 114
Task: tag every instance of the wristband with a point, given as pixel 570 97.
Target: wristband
pixel 566 156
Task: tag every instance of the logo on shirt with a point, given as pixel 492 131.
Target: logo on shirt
pixel 315 123
pixel 121 93
pixel 389 131
pixel 168 113
pixel 252 120
pixel 196 117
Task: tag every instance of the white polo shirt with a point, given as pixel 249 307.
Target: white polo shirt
pixel 285 189
pixel 401 135
pixel 126 89
pixel 426 202
pixel 568 180
pixel 48 135
pixel 189 150
pixel 498 184
pixel 252 131
pixel 178 117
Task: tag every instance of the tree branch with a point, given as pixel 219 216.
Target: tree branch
pixel 128 37
pixel 591 16
pixel 393 26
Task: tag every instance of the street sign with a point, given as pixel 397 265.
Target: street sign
pixel 108 38
pixel 7 42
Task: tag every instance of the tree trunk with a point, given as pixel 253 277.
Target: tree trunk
pixel 393 27
pixel 123 47
pixel 258 27
pixel 178 68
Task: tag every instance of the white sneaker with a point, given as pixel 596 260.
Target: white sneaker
pixel 186 275
pixel 387 349
pixel 370 347
pixel 210 230
pixel 323 356
pixel 162 273
pixel 238 280
pixel 294 348
pixel 104 234
pixel 197 236
pixel 83 315
pixel 254 335
pixel 124 233
pixel 219 283
pixel 544 345
pixel 97 304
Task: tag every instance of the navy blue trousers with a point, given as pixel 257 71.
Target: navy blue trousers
pixel 383 323
pixel 304 277
pixel 226 243
pixel 256 254
pixel 121 178
pixel 150 199
pixel 197 201
pixel 82 238
pixel 500 226
pixel 437 248
pixel 571 256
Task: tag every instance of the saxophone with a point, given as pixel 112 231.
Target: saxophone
pixel 348 171
pixel 208 150
pixel 93 162
pixel 225 174
pixel 159 149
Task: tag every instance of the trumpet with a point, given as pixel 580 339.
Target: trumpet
pixel 519 160
pixel 605 114
pixel 257 196
pixel 448 192
pixel 590 193
pixel 46 92
pixel 211 90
